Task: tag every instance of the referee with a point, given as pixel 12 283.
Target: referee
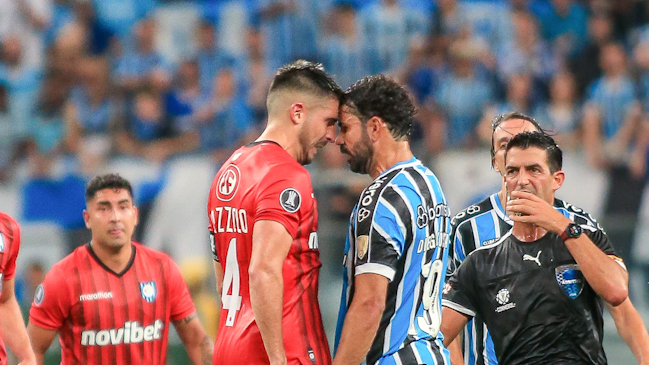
pixel 538 287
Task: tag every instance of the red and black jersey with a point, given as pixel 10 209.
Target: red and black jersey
pixel 9 246
pixel 105 317
pixel 261 181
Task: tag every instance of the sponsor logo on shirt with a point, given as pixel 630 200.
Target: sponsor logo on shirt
pixel 503 298
pixel 96 296
pixel 148 291
pixel 527 257
pixel 228 183
pixel 570 279
pixel 39 294
pixel 290 200
pixel 132 332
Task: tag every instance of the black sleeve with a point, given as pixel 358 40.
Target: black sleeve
pixel 459 292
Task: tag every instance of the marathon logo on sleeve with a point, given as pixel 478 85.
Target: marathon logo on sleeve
pixel 132 332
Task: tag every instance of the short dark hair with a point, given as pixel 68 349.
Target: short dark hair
pixel 499 119
pixel 108 181
pixel 540 140
pixel 307 77
pixel 383 97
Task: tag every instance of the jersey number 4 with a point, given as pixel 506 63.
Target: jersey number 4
pixel 231 280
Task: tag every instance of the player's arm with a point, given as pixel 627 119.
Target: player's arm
pixel 362 319
pixel 12 326
pixel 632 329
pixel 198 344
pixel 452 323
pixel 41 339
pixel 604 275
pixel 270 245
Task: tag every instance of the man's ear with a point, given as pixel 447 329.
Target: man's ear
pixel 86 218
pixel 297 113
pixel 558 177
pixel 374 127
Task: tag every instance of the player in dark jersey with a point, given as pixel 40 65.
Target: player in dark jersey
pixel 485 222
pixel 111 300
pixel 396 248
pixel 12 326
pixel 263 222
pixel 539 287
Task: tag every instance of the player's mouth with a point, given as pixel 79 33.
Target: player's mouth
pixel 116 231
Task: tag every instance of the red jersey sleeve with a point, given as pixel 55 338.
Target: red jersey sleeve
pixel 51 303
pixel 182 305
pixel 13 245
pixel 280 196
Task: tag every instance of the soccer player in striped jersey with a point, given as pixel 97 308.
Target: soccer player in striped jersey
pixel 396 248
pixel 12 326
pixel 485 222
pixel 112 300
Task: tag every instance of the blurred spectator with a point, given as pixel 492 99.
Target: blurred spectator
pixel 564 23
pixel 386 34
pixel 99 37
pixel 616 137
pixel 288 29
pixel 528 53
pixel 136 67
pixel 257 78
pixel 342 49
pixel 519 88
pixel 211 58
pixel 27 20
pixel 150 132
pixel 461 98
pixel 424 68
pixel 583 66
pixel 627 15
pixel 185 98
pixel 641 58
pixel 31 278
pixel 89 115
pixel 21 80
pixel 225 121
pixel 62 15
pixel 562 114
pixel 120 15
pixel 448 21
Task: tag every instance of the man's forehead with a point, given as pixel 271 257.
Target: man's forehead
pixel 512 127
pixel 112 193
pixel 347 116
pixel 524 157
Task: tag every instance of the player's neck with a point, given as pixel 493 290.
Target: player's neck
pixel 281 136
pixel 528 232
pixel 386 157
pixel 115 259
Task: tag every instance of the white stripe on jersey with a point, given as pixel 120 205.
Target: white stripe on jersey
pixel 413 216
pixel 388 206
pixel 496 224
pixel 457 307
pixel 476 233
pixel 387 237
pixel 416 352
pixel 373 268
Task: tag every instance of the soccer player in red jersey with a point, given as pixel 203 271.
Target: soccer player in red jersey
pixel 263 222
pixel 112 300
pixel 12 326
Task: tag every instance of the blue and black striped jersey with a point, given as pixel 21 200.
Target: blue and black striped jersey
pixel 400 229
pixel 480 225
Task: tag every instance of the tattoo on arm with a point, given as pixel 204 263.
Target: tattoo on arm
pixel 186 319
pixel 207 350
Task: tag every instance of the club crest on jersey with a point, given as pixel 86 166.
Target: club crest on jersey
pixel 362 244
pixel 290 200
pixel 570 279
pixel 228 183
pixel 39 295
pixel 148 291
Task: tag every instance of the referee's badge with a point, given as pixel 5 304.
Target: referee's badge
pixel 362 244
pixel 148 291
pixel 570 279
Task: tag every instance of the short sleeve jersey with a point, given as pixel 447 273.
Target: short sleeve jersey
pixel 480 225
pixel 105 317
pixel 261 181
pixel 534 299
pixel 399 229
pixel 9 246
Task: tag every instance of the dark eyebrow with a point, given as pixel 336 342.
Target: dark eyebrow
pixel 533 165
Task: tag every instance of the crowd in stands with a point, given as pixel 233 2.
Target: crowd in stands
pixel 85 81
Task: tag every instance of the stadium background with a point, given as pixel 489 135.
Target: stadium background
pixel 161 91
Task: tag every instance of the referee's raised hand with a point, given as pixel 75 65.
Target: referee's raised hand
pixel 526 207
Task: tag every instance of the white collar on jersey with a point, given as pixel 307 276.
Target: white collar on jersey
pixel 498 208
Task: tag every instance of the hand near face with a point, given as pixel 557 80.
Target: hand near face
pixel 535 210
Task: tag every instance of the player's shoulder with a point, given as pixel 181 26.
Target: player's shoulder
pixel 8 225
pixel 473 211
pixel 486 254
pixel 579 215
pixel 150 253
